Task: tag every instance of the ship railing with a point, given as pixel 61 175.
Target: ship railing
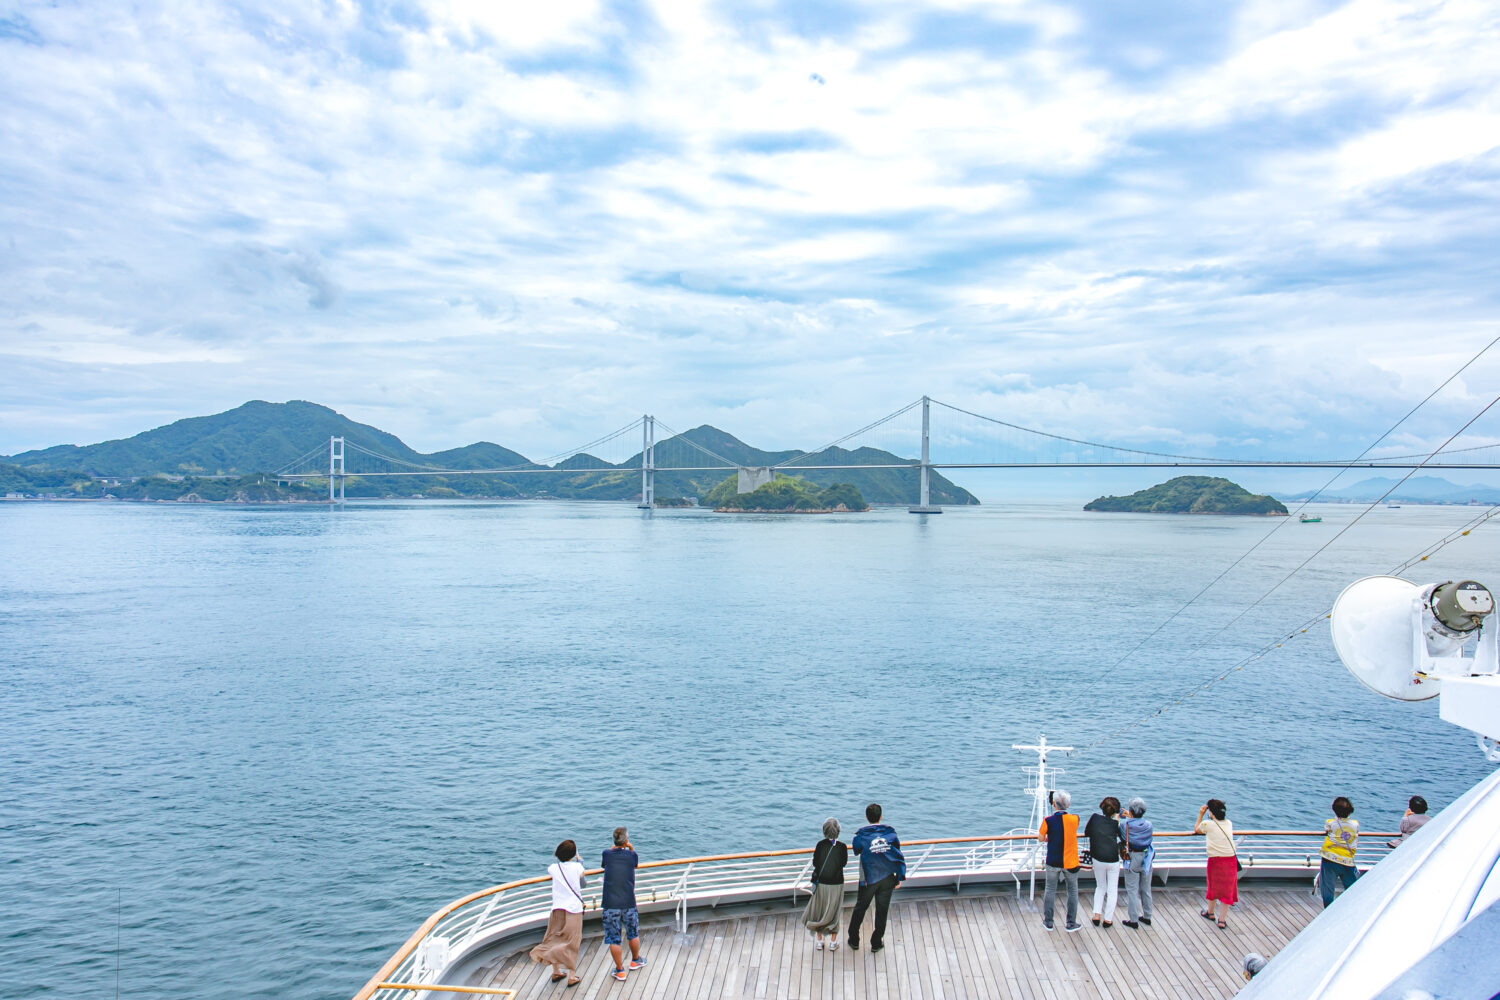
pixel 680 886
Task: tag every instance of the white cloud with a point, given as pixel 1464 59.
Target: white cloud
pixel 585 216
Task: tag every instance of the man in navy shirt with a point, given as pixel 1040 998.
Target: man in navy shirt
pixel 881 869
pixel 621 920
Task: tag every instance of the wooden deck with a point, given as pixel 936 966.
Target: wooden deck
pixel 942 947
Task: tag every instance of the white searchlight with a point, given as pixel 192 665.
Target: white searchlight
pixel 1412 643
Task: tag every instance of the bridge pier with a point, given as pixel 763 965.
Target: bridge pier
pixel 336 469
pixel 648 463
pixel 924 501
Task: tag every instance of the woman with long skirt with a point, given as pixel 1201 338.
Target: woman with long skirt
pixel 1223 863
pixel 821 915
pixel 559 947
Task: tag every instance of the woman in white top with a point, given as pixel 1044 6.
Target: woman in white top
pixel 559 947
pixel 1223 864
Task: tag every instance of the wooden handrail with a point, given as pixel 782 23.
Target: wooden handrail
pixel 377 981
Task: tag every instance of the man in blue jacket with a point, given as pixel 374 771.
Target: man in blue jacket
pixel 881 869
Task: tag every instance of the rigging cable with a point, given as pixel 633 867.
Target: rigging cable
pixel 1280 524
pixel 1300 630
pixel 1302 565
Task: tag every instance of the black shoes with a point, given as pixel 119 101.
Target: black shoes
pixel 853 943
pixel 877 947
pixel 1131 924
pixel 1146 921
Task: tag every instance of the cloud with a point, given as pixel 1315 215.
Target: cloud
pixel 1212 224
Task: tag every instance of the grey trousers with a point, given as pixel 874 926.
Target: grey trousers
pixel 1071 877
pixel 1137 887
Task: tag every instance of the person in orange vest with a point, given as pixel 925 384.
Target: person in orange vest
pixel 1060 833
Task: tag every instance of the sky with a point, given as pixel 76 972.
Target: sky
pixel 1255 228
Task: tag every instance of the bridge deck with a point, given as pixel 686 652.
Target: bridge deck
pixel 980 947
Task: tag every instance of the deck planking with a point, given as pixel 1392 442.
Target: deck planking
pixel 969 947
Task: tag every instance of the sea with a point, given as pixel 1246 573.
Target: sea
pixel 247 750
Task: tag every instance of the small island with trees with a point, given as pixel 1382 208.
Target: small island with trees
pixel 785 495
pixel 1193 495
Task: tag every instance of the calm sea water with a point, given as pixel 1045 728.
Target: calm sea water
pixel 270 741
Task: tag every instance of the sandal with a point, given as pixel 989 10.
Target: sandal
pixel 1223 925
pixel 557 977
pixel 573 982
pixel 1206 914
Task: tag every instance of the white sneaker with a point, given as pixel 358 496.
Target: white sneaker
pixel 818 945
pixel 833 945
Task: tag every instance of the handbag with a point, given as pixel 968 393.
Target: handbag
pixel 1237 866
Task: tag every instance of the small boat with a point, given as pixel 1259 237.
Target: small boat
pixel 1393 506
pixel 1310 519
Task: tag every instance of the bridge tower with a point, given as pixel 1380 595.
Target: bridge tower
pixel 648 463
pixel 924 501
pixel 336 468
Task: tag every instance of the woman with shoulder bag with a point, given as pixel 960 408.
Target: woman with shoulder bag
pixel 559 946
pixel 821 916
pixel 1223 861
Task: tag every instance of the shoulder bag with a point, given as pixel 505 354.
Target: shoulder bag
pixel 823 868
pixel 1237 866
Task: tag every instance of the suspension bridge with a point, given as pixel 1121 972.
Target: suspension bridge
pixel 957 439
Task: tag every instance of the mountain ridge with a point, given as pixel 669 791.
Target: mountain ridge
pixel 261 437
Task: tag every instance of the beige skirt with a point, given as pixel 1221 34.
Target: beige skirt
pixel 821 915
pixel 559 945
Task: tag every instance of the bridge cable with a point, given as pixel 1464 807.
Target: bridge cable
pixel 1280 524
pixel 1322 548
pixel 528 464
pixel 320 449
pixel 1230 461
pixel 846 437
pixel 678 436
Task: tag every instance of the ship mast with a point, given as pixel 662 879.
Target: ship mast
pixel 1042 778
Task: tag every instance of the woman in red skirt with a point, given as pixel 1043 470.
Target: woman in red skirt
pixel 1223 865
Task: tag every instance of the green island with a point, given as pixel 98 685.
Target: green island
pixel 1193 495
pixel 785 495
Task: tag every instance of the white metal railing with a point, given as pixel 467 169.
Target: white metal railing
pixel 461 928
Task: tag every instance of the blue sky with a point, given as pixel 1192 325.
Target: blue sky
pixel 1194 226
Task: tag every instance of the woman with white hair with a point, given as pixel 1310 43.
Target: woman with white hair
pixel 821 915
pixel 1137 831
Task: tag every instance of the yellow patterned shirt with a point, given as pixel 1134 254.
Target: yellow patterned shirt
pixel 1339 839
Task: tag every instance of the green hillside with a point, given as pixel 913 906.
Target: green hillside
pixel 1192 495
pixel 261 437
pixel 784 494
pixel 255 437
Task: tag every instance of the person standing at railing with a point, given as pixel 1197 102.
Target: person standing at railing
pixel 622 922
pixel 1137 832
pixel 882 868
pixel 1340 838
pixel 1223 861
pixel 559 946
pixel 1413 820
pixel 1106 844
pixel 1060 833
pixel 821 915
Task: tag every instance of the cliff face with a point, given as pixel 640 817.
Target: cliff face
pixel 1192 495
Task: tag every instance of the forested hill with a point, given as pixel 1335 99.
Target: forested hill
pixel 1192 495
pixel 261 437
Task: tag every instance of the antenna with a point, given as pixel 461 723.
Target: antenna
pixel 1412 643
pixel 1042 778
